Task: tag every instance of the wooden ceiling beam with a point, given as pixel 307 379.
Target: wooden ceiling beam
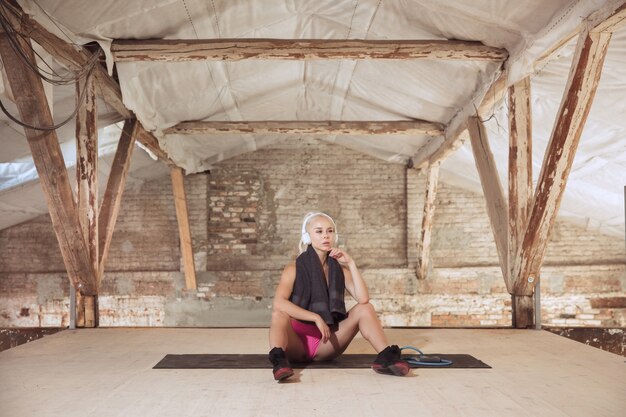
pixel 605 20
pixel 609 20
pixel 176 50
pixel 455 134
pixel 399 127
pixel 150 142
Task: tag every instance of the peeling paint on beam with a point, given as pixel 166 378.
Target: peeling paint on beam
pixel 289 49
pixel 399 127
pixel 520 167
pixel 578 97
pixel 87 168
pixel 428 216
pixel 615 20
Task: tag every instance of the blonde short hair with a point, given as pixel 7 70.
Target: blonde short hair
pixel 304 242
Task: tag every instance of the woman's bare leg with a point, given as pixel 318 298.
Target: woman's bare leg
pixel 283 336
pixel 361 317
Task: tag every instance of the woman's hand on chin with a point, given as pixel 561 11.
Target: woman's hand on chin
pixel 341 256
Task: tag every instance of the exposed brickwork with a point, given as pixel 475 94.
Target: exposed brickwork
pixel 14 285
pixel 262 206
pixel 245 222
pixel 197 206
pixel 124 310
pixel 608 302
pixel 30 247
pixel 146 232
pixel 572 245
pixel 233 205
pixel 144 283
pixel 462 233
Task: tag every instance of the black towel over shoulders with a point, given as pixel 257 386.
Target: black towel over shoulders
pixel 311 292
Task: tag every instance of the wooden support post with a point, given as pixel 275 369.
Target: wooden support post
pixel 180 200
pixel 115 187
pixel 579 92
pixel 44 145
pixel 520 188
pixel 91 311
pixel 87 181
pixel 423 244
pixel 520 162
pixel 494 195
pixel 80 309
pixel 523 311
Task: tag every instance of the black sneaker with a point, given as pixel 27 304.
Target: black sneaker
pixel 389 362
pixel 282 367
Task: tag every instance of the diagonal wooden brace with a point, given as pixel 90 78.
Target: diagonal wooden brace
pixel 579 92
pixel 46 151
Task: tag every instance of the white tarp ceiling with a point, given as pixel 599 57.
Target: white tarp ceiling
pixel 163 94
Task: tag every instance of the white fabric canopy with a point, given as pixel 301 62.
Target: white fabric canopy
pixel 163 94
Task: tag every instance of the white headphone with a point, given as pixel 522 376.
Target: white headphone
pixel 306 238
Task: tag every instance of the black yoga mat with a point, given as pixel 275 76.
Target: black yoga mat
pixel 250 361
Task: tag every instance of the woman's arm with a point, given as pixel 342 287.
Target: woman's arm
pixel 355 284
pixel 282 303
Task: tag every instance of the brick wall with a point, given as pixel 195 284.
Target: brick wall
pixel 245 221
pixel 462 233
pixel 146 232
pixel 257 201
pixel 30 247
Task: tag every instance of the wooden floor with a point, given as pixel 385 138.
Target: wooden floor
pixel 108 373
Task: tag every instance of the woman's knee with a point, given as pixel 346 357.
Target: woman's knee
pixel 365 309
pixel 280 316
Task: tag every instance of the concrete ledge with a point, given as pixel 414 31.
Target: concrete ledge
pixel 611 340
pixel 10 338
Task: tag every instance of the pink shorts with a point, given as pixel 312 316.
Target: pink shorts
pixel 310 336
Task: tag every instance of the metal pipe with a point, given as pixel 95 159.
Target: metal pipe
pixel 538 305
pixel 72 307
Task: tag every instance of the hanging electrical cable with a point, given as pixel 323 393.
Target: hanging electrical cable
pixel 48 128
pixel 51 77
